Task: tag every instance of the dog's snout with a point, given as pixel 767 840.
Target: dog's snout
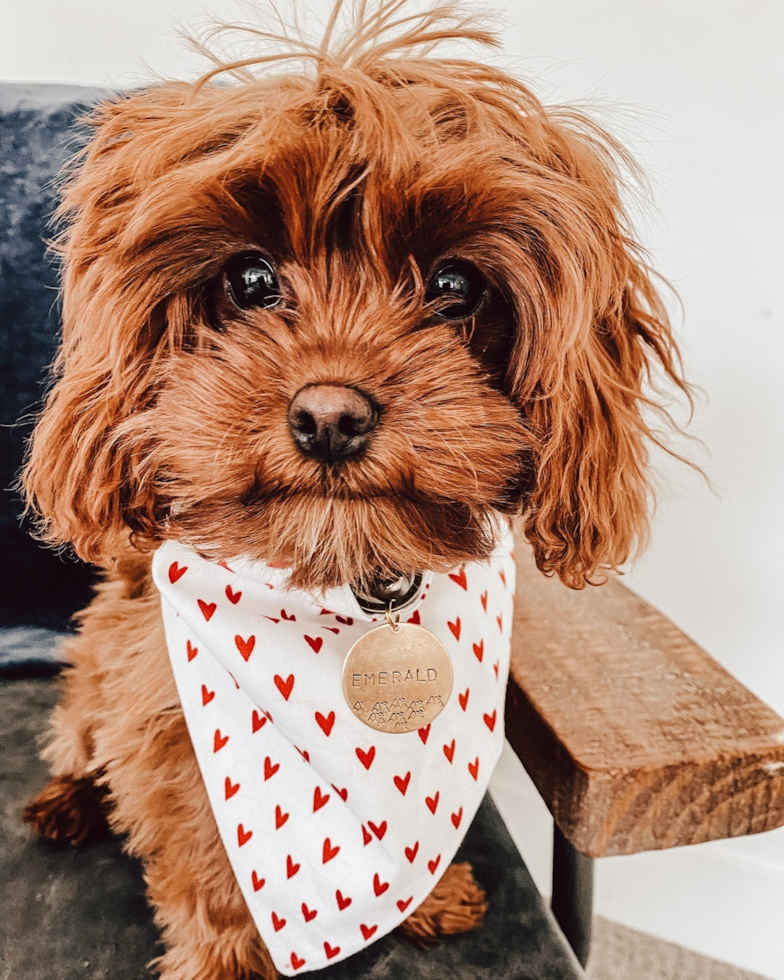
pixel 331 422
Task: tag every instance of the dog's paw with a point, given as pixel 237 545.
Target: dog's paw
pixel 69 811
pixel 456 904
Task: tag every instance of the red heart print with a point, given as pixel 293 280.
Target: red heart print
pixel 457 817
pixel 285 615
pixel 308 914
pixel 345 620
pixel 291 867
pixel 479 650
pixel 325 722
pixel 502 575
pixel 379 830
pixel 483 600
pixel 296 961
pixel 455 628
pixel 331 951
pixel 315 644
pixel 207 608
pixel 206 695
pixel 343 900
pixel 219 740
pixel 473 768
pixel 243 835
pixel 329 850
pixel 449 750
pixel 270 768
pixel 460 578
pixel 258 883
pixel 326 612
pixel 414 618
pixel 432 865
pixel 259 720
pixel 278 922
pixel 272 619
pixel 402 782
pixel 366 758
pixel 495 668
pixel 423 734
pixel 500 620
pixel 192 650
pixel 230 788
pixel 284 686
pixel 303 752
pixel 411 852
pixel 403 905
pixel 463 698
pixel 245 647
pixel 490 720
pixel 319 798
pixel 267 715
pixel 280 817
pixel 232 596
pixel 379 886
pixel 223 564
pixel 342 793
pixel 432 801
pixel 367 837
pixel 367 931
pixel 332 629
pixel 175 572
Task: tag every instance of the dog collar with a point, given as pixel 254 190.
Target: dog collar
pixel 335 832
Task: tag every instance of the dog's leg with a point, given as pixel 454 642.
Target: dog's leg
pixel 456 904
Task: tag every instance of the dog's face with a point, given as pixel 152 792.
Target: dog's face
pixel 336 322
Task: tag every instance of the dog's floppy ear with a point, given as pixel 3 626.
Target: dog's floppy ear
pixel 594 339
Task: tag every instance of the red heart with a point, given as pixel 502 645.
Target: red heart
pixel 332 629
pixel 223 564
pixel 342 793
pixel 269 768
pixel 455 628
pixel 328 851
pixel 230 788
pixel 449 750
pixel 367 931
pixel 259 720
pixel 192 650
pixel 483 600
pixel 303 752
pixel 343 901
pixel 280 817
pixel 479 650
pixel 411 852
pixel 402 782
pixel 423 734
pixel 326 722
pixel 258 883
pixel 284 686
pixel 245 646
pixel 404 905
pixel 500 620
pixel 308 914
pixel 379 886
pixel 331 951
pixel 207 608
pixel 495 668
pixel 346 620
pixel 272 619
pixel 219 741
pixel 206 696
pixel 296 961
pixel 432 801
pixel 319 798
pixel 175 572
pixel 243 835
pixel 457 817
pixel 278 922
pixel 502 575
pixel 367 837
pixel 366 758
pixel 460 578
pixel 414 618
pixel 490 720
pixel 315 644
pixel 232 596
pixel 432 865
pixel 326 612
pixel 463 698
pixel 473 767
pixel 285 615
pixel 291 867
pixel 379 830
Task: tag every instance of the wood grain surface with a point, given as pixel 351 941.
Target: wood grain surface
pixel 635 737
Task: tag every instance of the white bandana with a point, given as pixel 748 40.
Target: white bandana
pixel 336 832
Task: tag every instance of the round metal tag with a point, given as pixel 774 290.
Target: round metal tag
pixel 397 678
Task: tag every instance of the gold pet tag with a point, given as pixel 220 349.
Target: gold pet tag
pixel 397 677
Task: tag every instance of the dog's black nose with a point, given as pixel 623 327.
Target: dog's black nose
pixel 331 422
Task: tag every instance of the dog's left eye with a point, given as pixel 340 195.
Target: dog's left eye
pixel 251 281
pixel 460 287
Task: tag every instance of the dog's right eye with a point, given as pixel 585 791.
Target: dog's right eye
pixel 251 281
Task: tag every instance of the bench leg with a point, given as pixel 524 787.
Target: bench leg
pixel 572 901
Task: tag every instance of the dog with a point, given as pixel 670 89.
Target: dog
pixel 338 317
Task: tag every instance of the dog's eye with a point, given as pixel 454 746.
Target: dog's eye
pixel 459 286
pixel 252 281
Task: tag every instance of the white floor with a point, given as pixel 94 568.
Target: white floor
pixel 719 899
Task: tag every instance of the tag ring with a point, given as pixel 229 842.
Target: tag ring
pixel 392 618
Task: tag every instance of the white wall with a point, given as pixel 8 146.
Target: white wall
pixel 697 88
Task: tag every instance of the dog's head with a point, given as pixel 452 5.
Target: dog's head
pixel 337 318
